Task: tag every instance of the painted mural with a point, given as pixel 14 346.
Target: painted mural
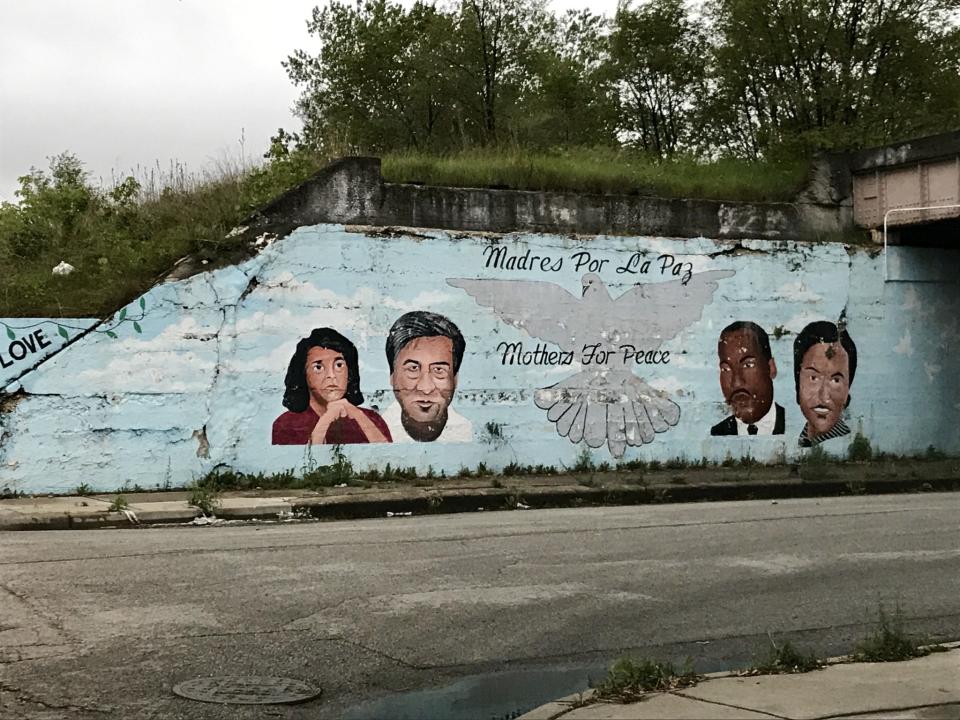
pixel 322 396
pixel 442 350
pixel 424 352
pixel 606 402
pixel 747 372
pixel 824 363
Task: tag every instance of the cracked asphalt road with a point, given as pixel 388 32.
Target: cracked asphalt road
pixel 101 624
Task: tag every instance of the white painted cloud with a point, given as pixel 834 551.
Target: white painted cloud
pixel 297 324
pixel 181 358
pixel 153 372
pixel 427 300
pixel 275 361
pixel 285 288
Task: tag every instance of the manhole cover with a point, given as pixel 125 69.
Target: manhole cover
pixel 246 690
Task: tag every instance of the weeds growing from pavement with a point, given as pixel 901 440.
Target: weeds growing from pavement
pixel 860 449
pixel 889 642
pixel 629 680
pixel 119 504
pixel 584 462
pixel 815 465
pixel 785 658
pixel 205 498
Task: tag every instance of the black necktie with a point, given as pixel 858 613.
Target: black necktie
pixel 751 429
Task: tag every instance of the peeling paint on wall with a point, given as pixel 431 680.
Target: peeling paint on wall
pixel 608 344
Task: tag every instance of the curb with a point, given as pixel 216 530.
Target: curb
pixel 556 709
pixel 511 498
pixel 512 493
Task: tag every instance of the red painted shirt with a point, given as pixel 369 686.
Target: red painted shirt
pixel 293 428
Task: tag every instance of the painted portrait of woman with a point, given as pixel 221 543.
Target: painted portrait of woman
pixel 323 398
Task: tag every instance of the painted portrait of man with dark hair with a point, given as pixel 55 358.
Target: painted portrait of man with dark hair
pixel 322 396
pixel 747 370
pixel 424 352
pixel 824 364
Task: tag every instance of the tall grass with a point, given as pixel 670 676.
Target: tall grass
pixel 602 171
pixel 123 236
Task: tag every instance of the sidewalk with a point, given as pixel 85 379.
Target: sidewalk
pixel 469 494
pixel 925 688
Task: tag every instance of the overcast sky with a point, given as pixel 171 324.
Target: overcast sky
pixel 122 83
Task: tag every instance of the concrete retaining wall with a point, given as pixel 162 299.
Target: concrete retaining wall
pixel 605 327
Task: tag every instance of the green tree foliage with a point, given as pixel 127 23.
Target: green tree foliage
pixel 50 208
pixel 831 73
pixel 122 238
pixel 481 72
pixel 573 101
pixel 498 43
pixel 658 53
pixel 740 77
pixel 379 81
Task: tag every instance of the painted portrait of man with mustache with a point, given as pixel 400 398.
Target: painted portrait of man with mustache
pixel 747 370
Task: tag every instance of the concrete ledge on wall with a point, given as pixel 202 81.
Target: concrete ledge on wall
pixel 352 191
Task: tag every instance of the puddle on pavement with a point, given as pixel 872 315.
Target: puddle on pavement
pixel 493 696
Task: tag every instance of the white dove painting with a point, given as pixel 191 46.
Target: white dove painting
pixel 606 402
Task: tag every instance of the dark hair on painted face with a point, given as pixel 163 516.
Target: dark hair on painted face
pixel 822 331
pixel 421 323
pixel 296 396
pixel 763 340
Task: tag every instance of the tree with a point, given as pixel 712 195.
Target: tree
pixel 497 43
pixel 658 54
pixel 830 73
pixel 376 83
pixel 480 72
pixel 573 100
pixel 51 207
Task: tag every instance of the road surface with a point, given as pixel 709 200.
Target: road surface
pixel 517 605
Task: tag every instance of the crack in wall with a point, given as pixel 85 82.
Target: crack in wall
pixel 735 250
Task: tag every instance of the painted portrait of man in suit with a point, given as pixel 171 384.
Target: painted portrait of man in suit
pixel 747 370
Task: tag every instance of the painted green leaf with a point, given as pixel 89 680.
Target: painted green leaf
pixel 123 314
pixel 111 334
pixel 11 334
pixel 63 331
pixel 136 326
pixel 143 303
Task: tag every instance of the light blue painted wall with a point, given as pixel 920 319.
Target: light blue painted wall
pixel 213 350
pixel 26 342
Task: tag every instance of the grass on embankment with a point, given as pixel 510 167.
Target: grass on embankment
pixel 602 170
pixel 121 239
